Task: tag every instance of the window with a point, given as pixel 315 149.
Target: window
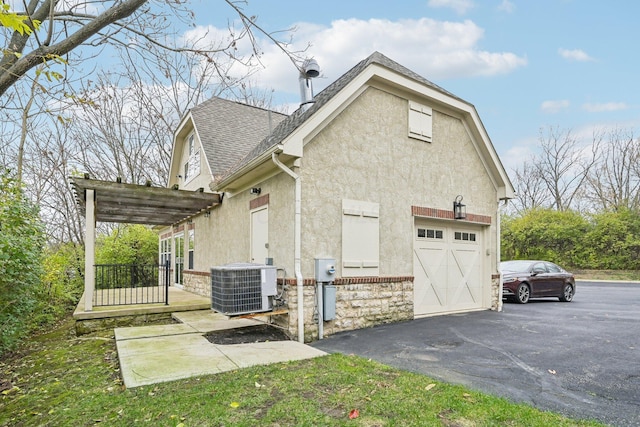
pixel 179 259
pixel 464 236
pixel 191 248
pixel 430 233
pixel 165 251
pixel 552 268
pixel 191 144
pixel 360 238
pixel 192 165
pixel 420 121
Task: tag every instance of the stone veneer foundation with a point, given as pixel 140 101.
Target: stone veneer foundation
pixel 361 302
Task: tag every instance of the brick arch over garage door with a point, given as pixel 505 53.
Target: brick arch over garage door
pixel 449 267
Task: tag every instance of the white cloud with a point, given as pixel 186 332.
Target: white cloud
pixel 506 6
pixel 520 152
pixel 575 55
pixel 553 107
pixel 606 106
pixel 460 6
pixel 433 49
pixel 436 50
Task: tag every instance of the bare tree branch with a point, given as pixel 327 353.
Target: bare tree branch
pixel 13 67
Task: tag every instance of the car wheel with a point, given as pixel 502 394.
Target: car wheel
pixel 523 293
pixel 567 293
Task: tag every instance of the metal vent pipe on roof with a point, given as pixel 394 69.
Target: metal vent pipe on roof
pixel 309 70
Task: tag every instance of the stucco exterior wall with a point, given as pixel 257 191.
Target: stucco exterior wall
pixel 203 178
pixel 365 154
pixel 224 235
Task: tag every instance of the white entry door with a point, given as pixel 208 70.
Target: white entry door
pixel 448 268
pixel 260 235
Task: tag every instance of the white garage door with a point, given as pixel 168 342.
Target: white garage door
pixel 447 268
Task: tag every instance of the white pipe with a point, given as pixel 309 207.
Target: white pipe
pixel 320 296
pixel 296 243
pixel 498 251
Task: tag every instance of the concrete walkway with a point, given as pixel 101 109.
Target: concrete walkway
pixel 155 354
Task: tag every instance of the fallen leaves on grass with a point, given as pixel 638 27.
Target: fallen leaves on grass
pixel 354 414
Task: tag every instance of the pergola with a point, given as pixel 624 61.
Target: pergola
pixel 107 201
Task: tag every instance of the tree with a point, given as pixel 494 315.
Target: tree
pixel 135 24
pixel 120 123
pixel 564 165
pixel 21 245
pixel 128 244
pixel 531 190
pixel 614 182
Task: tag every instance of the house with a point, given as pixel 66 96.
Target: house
pixel 368 175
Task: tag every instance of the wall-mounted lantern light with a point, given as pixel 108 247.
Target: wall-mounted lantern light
pixel 256 190
pixel 459 210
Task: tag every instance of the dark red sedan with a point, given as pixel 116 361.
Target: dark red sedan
pixel 522 280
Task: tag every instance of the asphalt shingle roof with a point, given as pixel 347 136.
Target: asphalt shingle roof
pixel 228 130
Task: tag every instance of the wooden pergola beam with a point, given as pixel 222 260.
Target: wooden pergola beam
pixel 140 204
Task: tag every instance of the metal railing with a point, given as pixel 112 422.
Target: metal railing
pixel 125 284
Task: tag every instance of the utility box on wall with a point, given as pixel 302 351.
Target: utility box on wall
pixel 325 275
pixel 329 302
pixel 325 270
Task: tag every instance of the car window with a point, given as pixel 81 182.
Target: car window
pixel 553 268
pixel 515 266
pixel 539 268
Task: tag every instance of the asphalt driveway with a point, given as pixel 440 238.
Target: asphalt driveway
pixel 581 359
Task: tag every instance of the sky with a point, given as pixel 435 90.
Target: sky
pixel 525 65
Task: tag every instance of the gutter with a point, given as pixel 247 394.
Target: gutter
pixel 249 166
pixel 296 241
pixel 498 251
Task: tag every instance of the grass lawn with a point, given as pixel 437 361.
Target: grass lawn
pixel 633 275
pixel 58 379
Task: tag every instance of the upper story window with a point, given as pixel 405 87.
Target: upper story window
pixel 192 161
pixel 420 121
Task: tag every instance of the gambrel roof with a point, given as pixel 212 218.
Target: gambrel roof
pixel 239 139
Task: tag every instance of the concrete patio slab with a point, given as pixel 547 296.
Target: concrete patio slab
pixel 153 331
pixel 208 320
pixel 265 353
pixel 159 359
pixel 160 353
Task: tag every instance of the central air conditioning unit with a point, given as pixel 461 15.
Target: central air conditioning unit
pixel 242 288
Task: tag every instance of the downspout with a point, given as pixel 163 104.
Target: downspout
pixel 296 242
pixel 498 251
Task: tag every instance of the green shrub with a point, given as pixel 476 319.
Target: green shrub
pixel 614 241
pixel 21 249
pixel 556 236
pixel 128 244
pixel 603 241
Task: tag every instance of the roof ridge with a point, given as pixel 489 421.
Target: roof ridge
pixel 240 103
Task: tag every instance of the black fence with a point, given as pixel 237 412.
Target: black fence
pixel 125 284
